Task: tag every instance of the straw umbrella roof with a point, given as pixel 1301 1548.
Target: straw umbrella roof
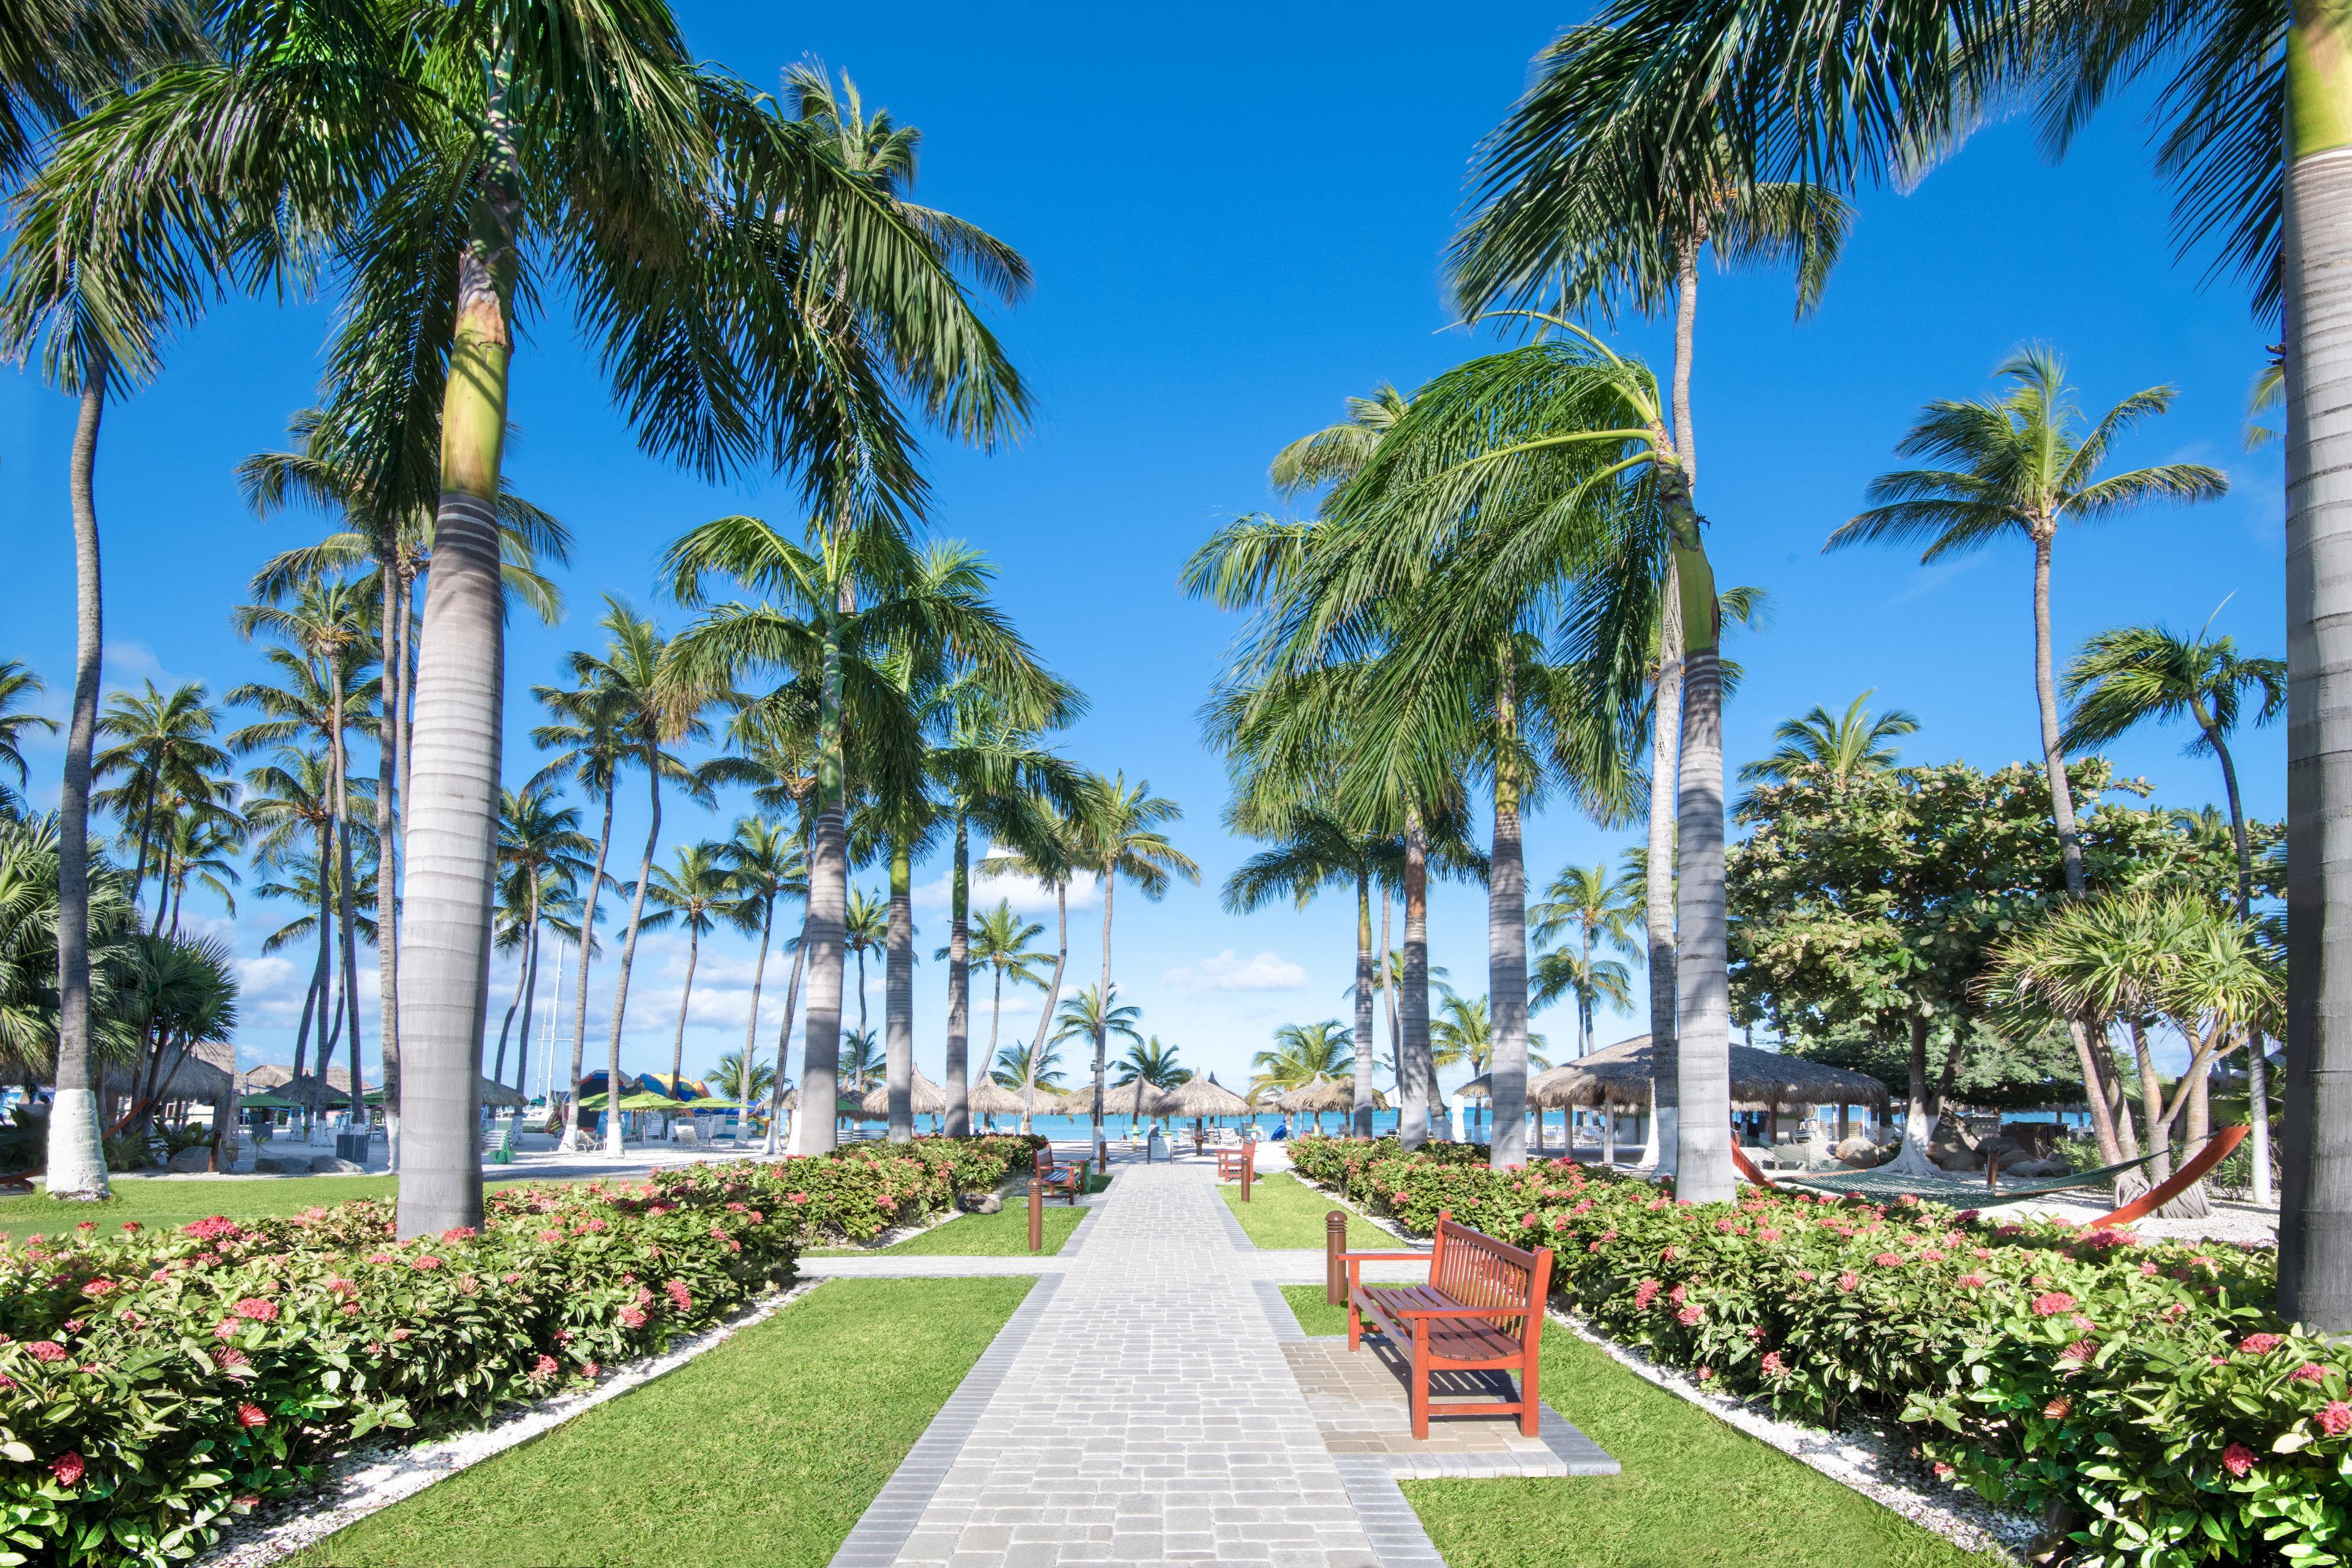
pixel 192 1079
pixel 1135 1097
pixel 929 1099
pixel 1203 1097
pixel 1619 1075
pixel 1039 1099
pixel 1327 1094
pixel 990 1097
pixel 1479 1088
pixel 277 1076
pixel 499 1097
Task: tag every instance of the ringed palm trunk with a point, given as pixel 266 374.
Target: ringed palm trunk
pixel 751 1030
pixel 1703 1169
pixel 1412 1047
pixel 812 1133
pixel 629 957
pixel 350 939
pixel 685 1000
pixel 1658 884
pixel 1053 1000
pixel 1507 945
pixel 387 869
pixel 77 1155
pixel 2258 1105
pixel 898 994
pixel 529 997
pixel 1102 1014
pixel 506 1029
pixel 783 1043
pixel 958 1123
pixel 580 996
pixel 1360 1121
pixel 452 857
pixel 2054 754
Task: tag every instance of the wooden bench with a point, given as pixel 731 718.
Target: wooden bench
pixel 1059 1176
pixel 1232 1162
pixel 1481 1311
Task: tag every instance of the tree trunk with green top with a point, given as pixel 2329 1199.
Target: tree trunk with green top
pixel 1703 1168
pixel 579 996
pixel 451 859
pixel 1360 1122
pixel 612 1145
pixel 898 994
pixel 1507 941
pixel 828 901
pixel 2316 264
pixel 1412 1047
pixel 387 862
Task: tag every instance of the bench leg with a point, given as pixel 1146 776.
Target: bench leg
pixel 1355 1325
pixel 1531 1412
pixel 1420 1385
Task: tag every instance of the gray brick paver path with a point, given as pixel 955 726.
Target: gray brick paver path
pixel 1148 1416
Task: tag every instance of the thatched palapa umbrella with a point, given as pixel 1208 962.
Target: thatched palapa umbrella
pixel 1618 1077
pixel 927 1098
pixel 1322 1096
pixel 1203 1100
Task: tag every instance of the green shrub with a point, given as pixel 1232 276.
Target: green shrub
pixel 153 1383
pixel 2147 1387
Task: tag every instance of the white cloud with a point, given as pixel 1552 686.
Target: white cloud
pixel 1268 970
pixel 1027 896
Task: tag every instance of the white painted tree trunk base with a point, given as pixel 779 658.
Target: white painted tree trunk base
pixel 1912 1158
pixel 77 1157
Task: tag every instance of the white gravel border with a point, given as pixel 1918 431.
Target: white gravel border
pixel 377 1474
pixel 1869 1458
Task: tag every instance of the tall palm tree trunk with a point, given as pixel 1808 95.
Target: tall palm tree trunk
pixel 340 767
pixel 2258 1097
pixel 629 957
pixel 958 1123
pixel 529 997
pixel 1507 942
pixel 1102 1016
pixel 751 1030
pixel 387 867
pixel 898 994
pixel 579 996
pixel 2316 1200
pixel 452 860
pixel 1360 1121
pixel 1658 884
pixel 1053 1000
pixel 1703 1169
pixel 783 1043
pixel 1412 1047
pixel 2054 754
pixel 1389 1003
pixel 522 983
pixel 828 901
pixel 685 1000
pixel 77 1153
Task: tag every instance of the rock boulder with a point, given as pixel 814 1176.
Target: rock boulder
pixel 980 1202
pixel 190 1161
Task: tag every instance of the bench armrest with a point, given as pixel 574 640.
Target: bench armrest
pixel 1385 1257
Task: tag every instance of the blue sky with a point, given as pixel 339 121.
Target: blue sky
pixel 1237 215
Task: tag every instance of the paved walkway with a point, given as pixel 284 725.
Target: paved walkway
pixel 1138 1409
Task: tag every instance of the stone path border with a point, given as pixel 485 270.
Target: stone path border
pixel 882 1531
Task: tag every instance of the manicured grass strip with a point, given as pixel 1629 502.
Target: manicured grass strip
pixel 1695 1493
pixel 999 1234
pixel 1285 1213
pixel 764 1450
pixel 156 1203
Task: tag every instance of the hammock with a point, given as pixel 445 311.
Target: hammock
pixel 1877 1185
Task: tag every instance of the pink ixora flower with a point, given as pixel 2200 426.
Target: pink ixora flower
pixel 67 1467
pixel 46 1350
pixel 1849 1280
pixel 1773 1366
pixel 1690 1317
pixel 229 1355
pixel 2051 1304
pixel 2238 1459
pixel 678 1296
pixel 259 1310
pixel 2336 1418
pixel 543 1367
pixel 633 1317
pixel 458 1233
pixel 1972 1281
pixel 551 1235
pixel 427 1262
pixel 2259 1345
pixel 1943 1471
pixel 2310 1372
pixel 2059 1408
pixel 2081 1350
pixel 251 1415
pixel 1643 1294
pixel 1706 1375
pixel 1887 1261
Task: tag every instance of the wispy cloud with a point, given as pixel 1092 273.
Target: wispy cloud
pixel 1228 971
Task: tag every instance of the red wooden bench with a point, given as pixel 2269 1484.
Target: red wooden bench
pixel 1231 1162
pixel 1481 1311
pixel 1060 1176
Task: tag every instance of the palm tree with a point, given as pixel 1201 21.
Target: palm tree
pixel 195 846
pixel 1313 851
pixel 1832 748
pixel 864 928
pixel 16 683
pixel 1084 1016
pixel 1039 840
pixel 291 804
pixel 765 863
pixel 752 1079
pixel 1600 909
pixel 1118 837
pixel 1000 949
pixel 683 208
pixel 589 742
pixel 776 755
pixel 861 1060
pixel 2023 465
pixel 836 620
pixel 694 892
pixel 655 704
pixel 546 857
pixel 1550 231
pixel 2136 675
pixel 1025 1067
pixel 164 755
pixel 1301 1054
pixel 1152 1063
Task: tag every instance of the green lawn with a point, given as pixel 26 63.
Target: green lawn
pixel 764 1450
pixel 154 1203
pixel 1286 1213
pixel 999 1234
pixel 1695 1493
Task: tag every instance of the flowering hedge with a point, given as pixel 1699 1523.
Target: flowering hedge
pixel 154 1384
pixel 2144 1386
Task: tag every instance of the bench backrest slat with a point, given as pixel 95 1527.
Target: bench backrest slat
pixel 1477 1270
